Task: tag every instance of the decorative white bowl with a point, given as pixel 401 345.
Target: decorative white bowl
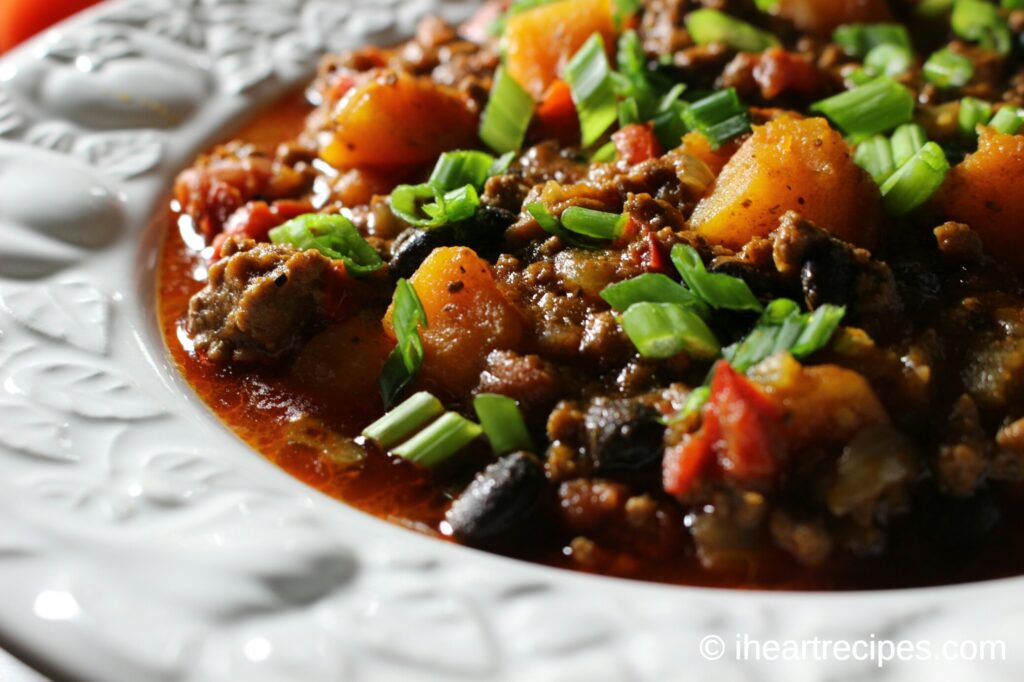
pixel 140 540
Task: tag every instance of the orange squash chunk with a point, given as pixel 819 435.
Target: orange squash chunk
pixel 790 164
pixel 467 316
pixel 399 120
pixel 986 191
pixel 541 41
pixel 696 145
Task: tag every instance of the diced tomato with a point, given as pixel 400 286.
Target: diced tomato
pixel 339 301
pixel 556 115
pixel 659 260
pixel 256 219
pixel 636 143
pixel 684 464
pixel 778 71
pixel 739 440
pixel 748 424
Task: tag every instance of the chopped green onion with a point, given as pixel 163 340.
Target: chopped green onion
pixel 1012 4
pixel 629 112
pixel 503 423
pixel 606 153
pixel 664 330
pixel 332 235
pixel 874 107
pixel 624 9
pixel 596 224
pixel 550 224
pixel 767 5
pixel 669 126
pixel 1008 120
pixel 440 440
pixel 858 40
pixel 508 114
pixel 410 203
pixel 694 403
pixel 973 113
pixel 916 181
pixel 719 117
pixel 651 288
pixel 403 364
pixel 458 169
pixel 717 290
pixel 947 69
pixel 981 22
pixel 708 26
pixel 933 8
pixel 906 141
pixel 782 328
pixel 820 327
pixel 874 155
pixel 404 420
pixel 593 89
pixel 889 60
pixel 635 81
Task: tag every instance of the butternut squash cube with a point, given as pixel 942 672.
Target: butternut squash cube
pixel 793 164
pixel 399 120
pixel 467 317
pixel 986 191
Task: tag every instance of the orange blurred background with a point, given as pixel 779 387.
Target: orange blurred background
pixel 21 19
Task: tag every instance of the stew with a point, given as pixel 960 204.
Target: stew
pixel 721 296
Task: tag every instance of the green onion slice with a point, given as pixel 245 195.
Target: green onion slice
pixel 719 117
pixel 412 204
pixel 874 155
pixel 449 434
pixel 718 290
pixel 596 224
pixel 981 22
pixel 651 288
pixel 782 328
pixel 507 115
pixel 664 330
pixel 875 107
pixel 593 89
pixel 458 169
pixel 503 423
pixel 973 113
pixel 906 141
pixel 1008 120
pixel 889 60
pixel 916 181
pixel 708 26
pixel 332 235
pixel 403 364
pixel 947 69
pixel 405 420
pixel 858 40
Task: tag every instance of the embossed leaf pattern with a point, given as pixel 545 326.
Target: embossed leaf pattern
pixel 10 119
pixel 75 312
pixel 121 155
pixel 34 431
pixel 84 390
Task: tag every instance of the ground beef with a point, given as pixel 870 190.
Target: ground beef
pixel 832 271
pixel 963 456
pixel 532 381
pixel 259 301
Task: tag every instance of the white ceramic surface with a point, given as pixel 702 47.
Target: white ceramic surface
pixel 140 540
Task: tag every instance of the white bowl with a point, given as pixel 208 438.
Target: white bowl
pixel 140 540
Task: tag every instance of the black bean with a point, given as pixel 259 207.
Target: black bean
pixel 500 498
pixel 828 277
pixel 623 435
pixel 483 233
